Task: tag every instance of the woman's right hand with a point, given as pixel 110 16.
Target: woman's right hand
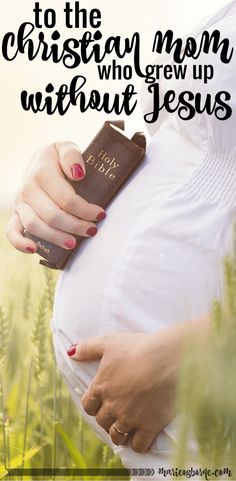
pixel 46 204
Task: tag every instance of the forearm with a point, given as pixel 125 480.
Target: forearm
pixel 196 330
pixel 173 342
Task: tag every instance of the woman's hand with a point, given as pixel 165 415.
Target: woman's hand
pixel 47 205
pixel 135 386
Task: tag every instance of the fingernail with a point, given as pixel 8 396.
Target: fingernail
pixel 92 231
pixel 101 216
pixel 70 243
pixel 31 250
pixel 72 351
pixel 77 171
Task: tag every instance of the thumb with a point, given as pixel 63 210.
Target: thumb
pixel 71 160
pixel 91 350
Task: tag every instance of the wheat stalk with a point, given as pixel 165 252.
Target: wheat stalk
pixel 4 338
pixel 50 288
pixel 39 338
pixel 4 342
pixel 208 385
pixel 27 301
pixel 26 415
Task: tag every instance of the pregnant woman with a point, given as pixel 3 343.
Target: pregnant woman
pixel 129 297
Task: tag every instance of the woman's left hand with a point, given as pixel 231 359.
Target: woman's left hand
pixel 135 386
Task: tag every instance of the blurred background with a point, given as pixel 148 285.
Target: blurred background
pixel 40 426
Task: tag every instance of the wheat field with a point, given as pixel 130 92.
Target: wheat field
pixel 40 426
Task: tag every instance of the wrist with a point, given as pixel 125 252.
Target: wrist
pixel 196 329
pixel 165 348
pixel 171 343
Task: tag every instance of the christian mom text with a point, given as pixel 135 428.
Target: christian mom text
pixel 192 62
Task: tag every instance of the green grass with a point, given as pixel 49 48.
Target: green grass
pixel 40 427
pixel 208 384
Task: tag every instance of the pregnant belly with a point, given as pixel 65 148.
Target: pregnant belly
pixel 148 297
pixel 136 275
pixel 147 281
pixel 95 308
pixel 154 282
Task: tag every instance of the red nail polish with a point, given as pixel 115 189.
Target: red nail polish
pixel 31 250
pixel 101 216
pixel 77 171
pixel 70 243
pixel 92 231
pixel 72 351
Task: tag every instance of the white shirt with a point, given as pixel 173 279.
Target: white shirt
pixel 157 258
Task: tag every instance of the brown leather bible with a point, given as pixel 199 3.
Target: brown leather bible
pixel 109 159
